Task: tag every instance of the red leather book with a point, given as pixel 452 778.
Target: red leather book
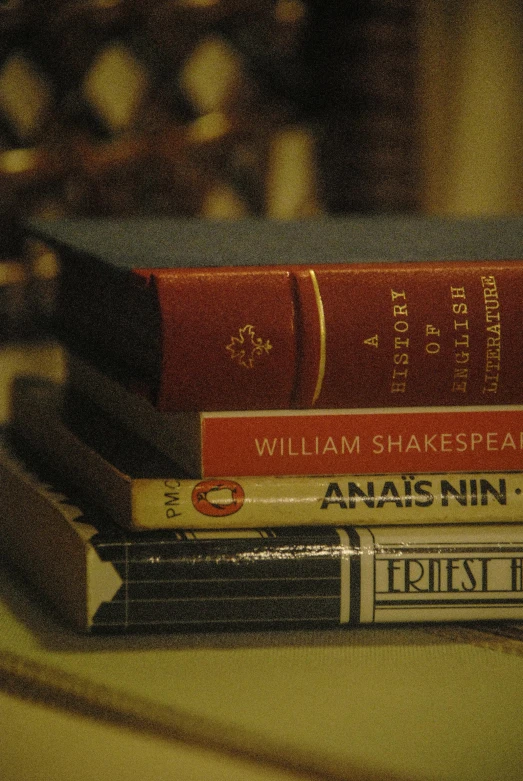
pixel 326 314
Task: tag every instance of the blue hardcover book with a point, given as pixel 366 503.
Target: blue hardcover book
pixel 330 313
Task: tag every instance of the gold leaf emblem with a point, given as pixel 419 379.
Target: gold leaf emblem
pixel 247 347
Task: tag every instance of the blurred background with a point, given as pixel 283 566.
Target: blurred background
pixel 229 108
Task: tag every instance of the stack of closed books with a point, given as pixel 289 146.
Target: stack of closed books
pixel 273 424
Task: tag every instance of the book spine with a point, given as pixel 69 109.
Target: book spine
pixel 315 577
pixel 159 498
pixel 316 442
pixel 279 501
pixel 326 442
pixel 55 553
pixel 339 336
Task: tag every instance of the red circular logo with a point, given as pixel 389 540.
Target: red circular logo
pixel 218 497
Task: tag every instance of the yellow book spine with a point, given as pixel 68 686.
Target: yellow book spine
pixel 337 500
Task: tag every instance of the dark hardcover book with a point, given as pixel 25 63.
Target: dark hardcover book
pixel 102 578
pixel 325 313
pixel 142 489
pixel 313 442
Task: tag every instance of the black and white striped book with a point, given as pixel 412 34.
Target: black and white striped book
pixel 103 578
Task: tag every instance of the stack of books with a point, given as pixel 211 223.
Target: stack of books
pixel 275 424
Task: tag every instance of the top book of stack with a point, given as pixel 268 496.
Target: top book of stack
pixel 328 313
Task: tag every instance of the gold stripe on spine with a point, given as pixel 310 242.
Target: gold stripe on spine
pixel 323 337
